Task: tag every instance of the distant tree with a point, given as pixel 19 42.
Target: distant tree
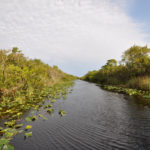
pixel 137 59
pixel 135 62
pixel 15 50
pixel 111 62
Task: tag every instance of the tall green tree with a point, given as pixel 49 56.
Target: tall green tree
pixel 137 59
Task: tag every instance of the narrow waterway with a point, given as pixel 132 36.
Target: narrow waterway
pixel 95 120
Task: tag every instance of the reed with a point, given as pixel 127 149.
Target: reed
pixel 141 83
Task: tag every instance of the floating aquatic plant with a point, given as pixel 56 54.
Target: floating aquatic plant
pixel 50 105
pixel 28 134
pixel 44 118
pixel 17 112
pixel 10 123
pixel 28 119
pixel 53 101
pixel 32 118
pixel 4 144
pixel 50 110
pixel 28 127
pixel 62 112
pixel 128 91
pixel 1 128
pixel 18 126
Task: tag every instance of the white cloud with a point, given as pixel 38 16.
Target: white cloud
pixel 72 34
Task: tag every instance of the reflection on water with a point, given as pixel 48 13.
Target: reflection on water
pixel 96 120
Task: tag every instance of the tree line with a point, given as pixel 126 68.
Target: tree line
pixel 132 71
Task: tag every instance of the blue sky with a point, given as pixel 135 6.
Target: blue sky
pixel 76 35
pixel 140 12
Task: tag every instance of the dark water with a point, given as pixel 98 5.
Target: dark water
pixel 96 120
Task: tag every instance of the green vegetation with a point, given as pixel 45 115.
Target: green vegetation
pixel 28 127
pixel 50 110
pixel 4 144
pixel 25 82
pixel 7 136
pixel 29 134
pixel 24 85
pixel 18 126
pixel 62 112
pixel 128 91
pixel 10 123
pixel 131 75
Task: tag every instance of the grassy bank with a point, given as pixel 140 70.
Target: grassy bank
pixel 140 83
pixel 15 124
pixel 25 82
pixel 130 76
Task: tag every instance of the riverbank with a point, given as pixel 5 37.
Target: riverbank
pixel 128 91
pixel 20 123
pixel 25 84
pixel 130 76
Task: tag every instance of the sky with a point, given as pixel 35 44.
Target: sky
pixel 76 35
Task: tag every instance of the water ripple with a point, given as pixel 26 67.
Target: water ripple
pixel 96 120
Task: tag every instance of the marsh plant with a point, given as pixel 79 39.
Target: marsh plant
pixel 25 84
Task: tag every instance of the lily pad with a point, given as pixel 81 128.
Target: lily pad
pixel 44 118
pixel 62 112
pixel 45 106
pixel 1 128
pixel 8 147
pixel 28 127
pixel 50 105
pixel 29 134
pixel 28 119
pixel 4 144
pixel 40 115
pixel 3 131
pixel 10 123
pixel 18 126
pixel 34 118
pixel 50 110
pixel 53 101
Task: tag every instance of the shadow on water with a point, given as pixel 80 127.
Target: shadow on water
pixel 95 120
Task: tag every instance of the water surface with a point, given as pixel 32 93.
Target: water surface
pixel 95 120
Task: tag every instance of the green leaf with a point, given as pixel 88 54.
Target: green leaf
pixel 40 115
pixel 50 105
pixel 10 133
pixel 44 118
pixel 3 141
pixel 1 128
pixel 28 119
pixel 28 127
pixel 50 110
pixel 10 123
pixel 8 147
pixel 18 126
pixel 62 112
pixel 29 134
pixel 53 101
pixel 34 118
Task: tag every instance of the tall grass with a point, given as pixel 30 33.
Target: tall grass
pixel 141 83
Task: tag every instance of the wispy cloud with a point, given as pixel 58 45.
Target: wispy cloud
pixel 77 35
